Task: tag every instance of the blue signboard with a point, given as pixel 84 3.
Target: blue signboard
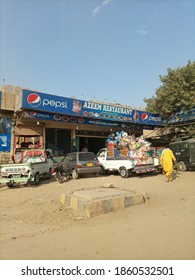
pixel 181 116
pixel 5 134
pixel 80 120
pixel 5 142
pixel 5 125
pixel 67 106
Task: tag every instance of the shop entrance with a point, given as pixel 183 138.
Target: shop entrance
pixel 58 140
pixel 94 144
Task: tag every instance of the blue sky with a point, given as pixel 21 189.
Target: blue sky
pixel 107 50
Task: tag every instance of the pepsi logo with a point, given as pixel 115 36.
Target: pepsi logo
pixel 34 100
pixel 32 114
pixel 144 116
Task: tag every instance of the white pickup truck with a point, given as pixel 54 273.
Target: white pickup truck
pixel 126 165
pixel 33 165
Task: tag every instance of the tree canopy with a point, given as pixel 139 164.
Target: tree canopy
pixel 176 93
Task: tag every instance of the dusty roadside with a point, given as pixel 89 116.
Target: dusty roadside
pixel 34 225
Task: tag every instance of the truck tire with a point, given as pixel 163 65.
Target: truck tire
pixel 124 172
pixel 75 174
pixel 36 179
pixel 181 166
pixel 10 184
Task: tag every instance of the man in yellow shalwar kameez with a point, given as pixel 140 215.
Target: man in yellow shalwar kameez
pixel 167 159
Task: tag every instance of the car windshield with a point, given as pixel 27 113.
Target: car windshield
pixel 86 156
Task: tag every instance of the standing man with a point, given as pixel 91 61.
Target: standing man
pixel 167 158
pixel 85 149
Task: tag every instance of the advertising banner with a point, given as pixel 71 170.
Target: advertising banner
pixel 5 134
pixel 5 125
pixel 5 142
pixel 79 120
pixel 181 116
pixel 67 106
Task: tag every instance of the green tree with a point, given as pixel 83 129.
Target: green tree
pixel 176 93
pixel 189 130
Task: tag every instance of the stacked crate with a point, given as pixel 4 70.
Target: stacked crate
pixel 117 153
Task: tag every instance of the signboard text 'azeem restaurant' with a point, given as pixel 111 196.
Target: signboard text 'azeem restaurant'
pixel 67 121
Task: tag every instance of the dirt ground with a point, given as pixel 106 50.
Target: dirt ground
pixel 35 225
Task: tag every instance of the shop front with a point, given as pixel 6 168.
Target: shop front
pixel 60 123
pixel 61 136
pixel 27 136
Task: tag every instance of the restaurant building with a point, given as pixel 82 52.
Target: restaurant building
pixel 43 120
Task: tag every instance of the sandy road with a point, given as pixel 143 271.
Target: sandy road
pixel 34 225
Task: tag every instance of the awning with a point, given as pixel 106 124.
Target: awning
pixel 28 131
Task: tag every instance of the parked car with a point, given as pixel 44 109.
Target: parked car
pixel 33 165
pixel 184 152
pixel 79 163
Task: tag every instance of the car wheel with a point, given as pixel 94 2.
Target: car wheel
pixel 181 166
pixel 36 178
pixel 124 172
pixel 75 174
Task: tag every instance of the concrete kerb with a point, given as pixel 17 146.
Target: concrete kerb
pixel 90 202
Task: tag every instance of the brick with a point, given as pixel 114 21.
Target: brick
pixel 97 208
pixel 118 203
pixel 128 201
pixel 107 205
pixel 89 209
pixel 81 205
pixel 138 198
pixel 93 209
pixel 68 199
pixel 74 202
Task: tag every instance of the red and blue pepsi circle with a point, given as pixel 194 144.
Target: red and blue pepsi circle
pixel 34 100
pixel 144 117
